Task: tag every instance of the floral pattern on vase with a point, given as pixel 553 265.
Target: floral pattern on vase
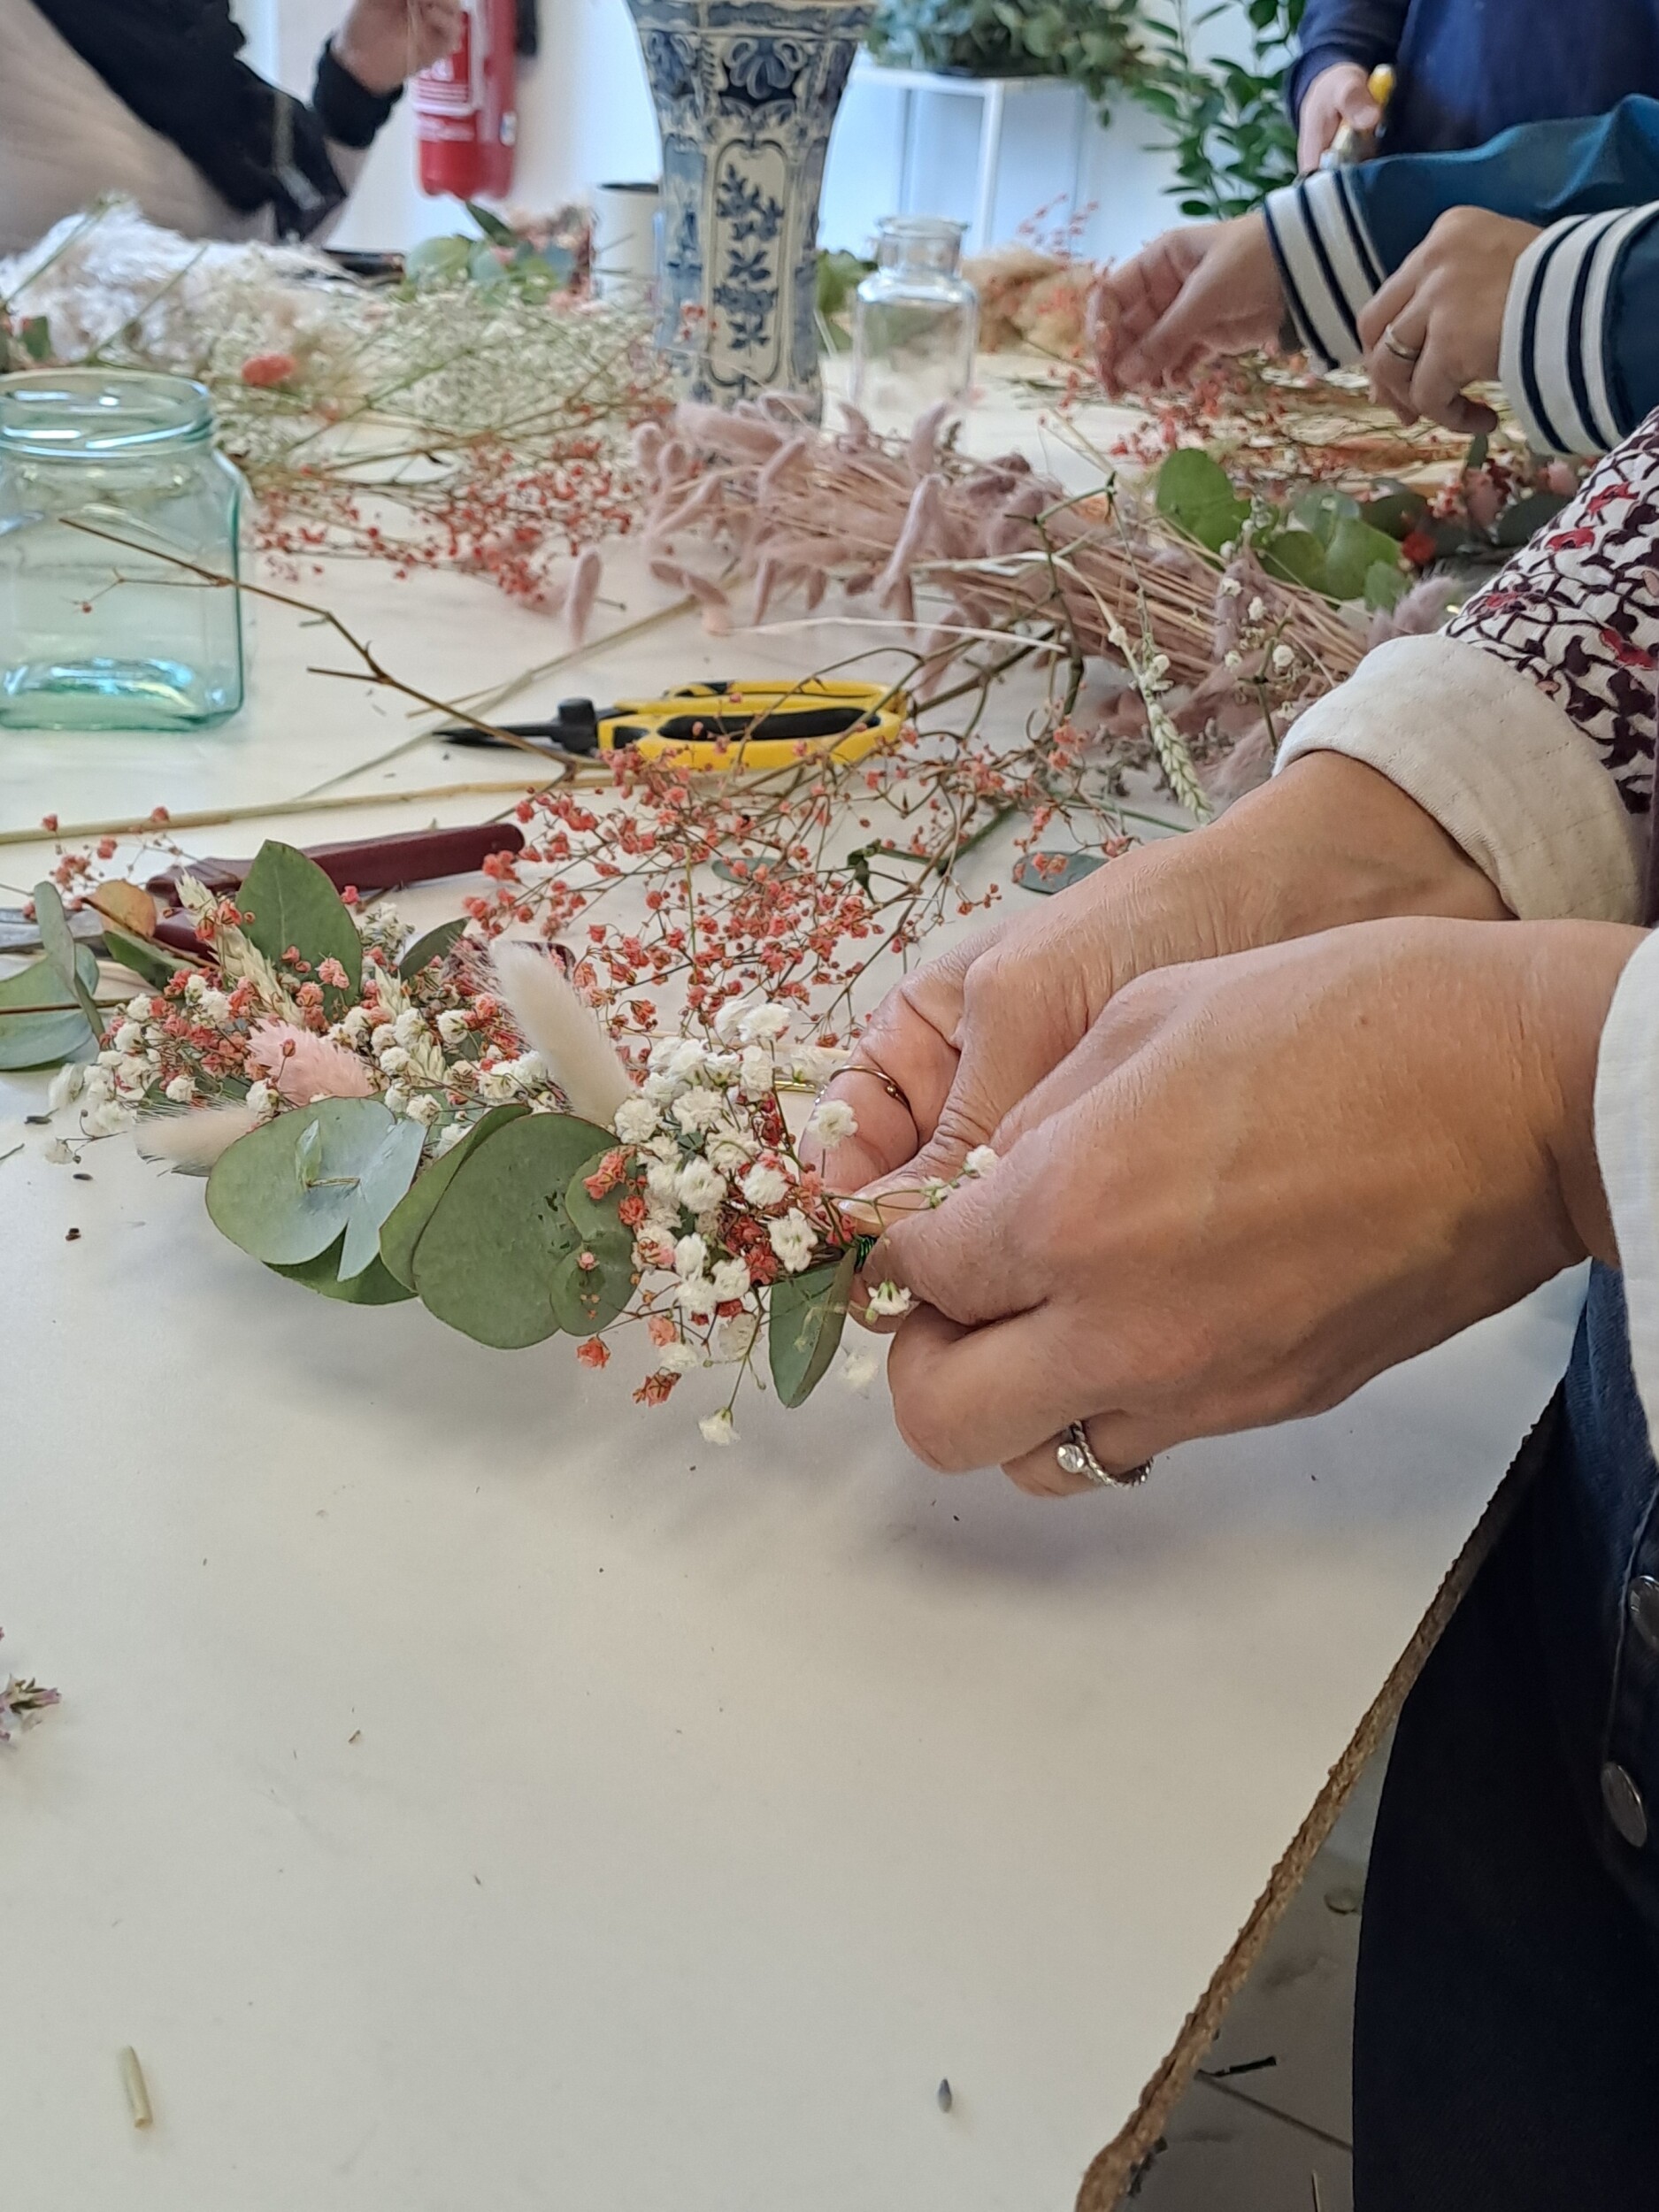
pixel 745 91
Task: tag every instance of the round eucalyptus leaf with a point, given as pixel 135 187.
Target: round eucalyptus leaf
pixel 401 1231
pixel 587 1298
pixel 373 1285
pixel 285 1191
pixel 592 1216
pixel 485 1260
pixel 56 1030
pixel 806 1316
pixel 379 1186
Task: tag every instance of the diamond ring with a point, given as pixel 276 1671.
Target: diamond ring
pixel 1074 1455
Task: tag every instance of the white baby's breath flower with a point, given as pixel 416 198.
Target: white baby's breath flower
pixel 765 1020
pixel 698 1108
pixel 636 1118
pixel 730 1279
pixel 425 1111
pixel 181 1090
pixel 448 1137
pixel 718 1428
pixel 97 1083
pixel 662 1185
pixel 755 1071
pixel 731 1149
pixel 65 1088
pixel 107 1120
pixel 792 1239
pixel 194 987
pixel 699 1187
pixel 832 1121
pixel 687 1059
pixel 653 1247
pixel 678 1358
pixel 662 1090
pixel 394 1057
pixel 935 1192
pixel 261 1100
pixel 691 1255
pixel 453 1026
pixel 409 1027
pixel 1254 611
pixel 497 1086
pixel 137 1009
pixel 215 1008
pixel 815 1063
pixel 887 1300
pixel 726 1020
pixel 354 1024
pixel 859 1369
pixel 980 1161
pixel 765 1185
pixel 695 1295
pixel 58 1152
pixel 395 1099
pixel 129 1037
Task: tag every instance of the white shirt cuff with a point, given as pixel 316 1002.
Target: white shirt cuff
pixel 1627 1151
pixel 1502 769
pixel 1555 361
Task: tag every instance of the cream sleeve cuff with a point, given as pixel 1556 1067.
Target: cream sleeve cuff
pixel 1500 767
pixel 1627 1150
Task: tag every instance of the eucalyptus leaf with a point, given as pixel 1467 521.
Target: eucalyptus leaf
pixel 289 902
pixel 593 1217
pixel 59 948
pixel 589 1298
pixel 435 945
pixel 1523 520
pixel 285 1190
pixel 1195 494
pixel 1047 872
pixel 1387 584
pixel 374 1285
pixel 401 1231
pixel 57 1030
pixel 486 1261
pixel 1396 513
pixel 152 964
pixel 807 1313
pixel 1354 550
pixel 1320 512
pixel 1295 556
pixel 379 1186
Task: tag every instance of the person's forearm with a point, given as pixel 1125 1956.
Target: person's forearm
pixel 1572 974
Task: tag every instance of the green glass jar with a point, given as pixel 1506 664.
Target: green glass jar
pixel 95 635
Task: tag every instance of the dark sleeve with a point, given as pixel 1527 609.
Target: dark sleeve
pixel 1581 331
pixel 1365 31
pixel 349 112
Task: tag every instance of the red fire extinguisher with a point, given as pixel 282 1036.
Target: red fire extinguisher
pixel 465 121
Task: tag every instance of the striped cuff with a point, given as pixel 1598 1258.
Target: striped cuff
pixel 1327 263
pixel 1498 764
pixel 1556 358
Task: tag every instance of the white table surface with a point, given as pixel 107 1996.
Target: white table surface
pixel 473 1793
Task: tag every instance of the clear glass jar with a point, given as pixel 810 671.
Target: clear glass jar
pixel 96 636
pixel 915 321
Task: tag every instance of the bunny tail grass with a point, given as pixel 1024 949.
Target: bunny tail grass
pixel 190 1143
pixel 579 1056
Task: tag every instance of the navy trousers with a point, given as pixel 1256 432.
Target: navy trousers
pixel 1506 2044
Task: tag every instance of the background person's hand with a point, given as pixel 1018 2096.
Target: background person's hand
pixel 384 42
pixel 1206 288
pixel 964 1038
pixel 1258 1182
pixel 1338 95
pixel 1445 304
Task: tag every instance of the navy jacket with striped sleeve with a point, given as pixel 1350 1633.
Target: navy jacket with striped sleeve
pixel 1468 69
pixel 1580 354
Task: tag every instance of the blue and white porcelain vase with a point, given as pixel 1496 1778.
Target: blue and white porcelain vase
pixel 746 91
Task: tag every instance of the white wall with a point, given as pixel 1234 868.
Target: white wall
pixel 584 118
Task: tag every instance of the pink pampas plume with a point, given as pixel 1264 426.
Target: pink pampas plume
pixel 578 604
pixel 190 1142
pixel 716 608
pixel 924 438
pixel 304 1067
pixel 921 522
pixel 553 1020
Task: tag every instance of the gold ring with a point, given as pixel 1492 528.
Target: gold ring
pixel 1400 353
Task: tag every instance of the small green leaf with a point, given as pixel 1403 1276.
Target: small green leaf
pixel 46 1037
pixel 1355 549
pixel 1047 872
pixel 1479 446
pixel 285 1190
pixel 374 1286
pixel 1397 513
pixel 1387 584
pixel 437 944
pixel 35 336
pixel 291 903
pixel 1295 556
pixel 1523 520
pixel 594 1216
pixel 152 964
pixel 486 1261
pixel 401 1231
pixel 498 233
pixel 1194 493
pixel 59 948
pixel 1321 510
pixel 379 1186
pixel 589 1298
pixel 807 1313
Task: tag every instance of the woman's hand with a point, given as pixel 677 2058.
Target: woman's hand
pixel 955 1047
pixel 1207 288
pixel 383 41
pixel 1340 93
pixel 1259 1182
pixel 1443 307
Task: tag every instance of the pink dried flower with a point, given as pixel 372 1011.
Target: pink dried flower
pixel 304 1067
